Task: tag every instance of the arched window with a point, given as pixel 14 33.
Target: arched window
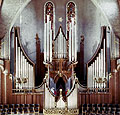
pixel 71 30
pixel 49 28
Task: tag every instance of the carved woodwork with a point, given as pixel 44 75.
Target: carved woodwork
pixel 40 68
pixel 60 66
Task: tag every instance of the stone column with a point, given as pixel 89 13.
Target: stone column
pixel 5 88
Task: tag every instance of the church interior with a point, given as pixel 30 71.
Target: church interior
pixel 60 57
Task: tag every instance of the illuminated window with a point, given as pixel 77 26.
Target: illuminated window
pixel 49 28
pixel 71 30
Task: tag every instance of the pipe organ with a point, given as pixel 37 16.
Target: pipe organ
pixel 98 67
pixel 60 45
pixel 24 76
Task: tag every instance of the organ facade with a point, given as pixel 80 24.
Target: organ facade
pixel 60 80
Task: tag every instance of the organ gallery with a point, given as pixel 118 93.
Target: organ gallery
pixel 59 57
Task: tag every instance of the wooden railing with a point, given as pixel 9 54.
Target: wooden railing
pixel 26 90
pixel 93 98
pixel 33 98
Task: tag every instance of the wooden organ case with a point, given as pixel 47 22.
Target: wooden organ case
pixel 24 67
pixel 61 71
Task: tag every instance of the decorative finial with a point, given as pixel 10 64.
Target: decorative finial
pixel 60 92
pixel 82 37
pixel 60 19
pixel 37 36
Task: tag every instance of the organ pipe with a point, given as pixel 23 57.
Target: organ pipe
pixel 48 38
pixel 104 58
pixel 75 44
pixel 19 61
pixel 16 59
pixel 50 43
pixel 60 47
pixel 70 44
pixel 98 64
pixel 24 68
pixel 45 43
pixel 72 32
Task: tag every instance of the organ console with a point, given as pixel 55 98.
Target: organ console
pixel 24 68
pixel 98 66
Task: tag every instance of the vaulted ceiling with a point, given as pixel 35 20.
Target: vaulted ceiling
pixel 10 10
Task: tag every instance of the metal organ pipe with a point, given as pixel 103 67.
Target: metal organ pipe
pixel 19 61
pixel 16 59
pixel 93 73
pixel 64 47
pixel 102 63
pixel 28 73
pixel 72 41
pixel 75 44
pixel 70 44
pixel 25 71
pixel 24 67
pixel 50 42
pixel 98 65
pixel 104 58
pixel 21 64
pixel 16 62
pixel 60 46
pixel 45 45
pixel 72 38
pixel 47 37
pixel 30 76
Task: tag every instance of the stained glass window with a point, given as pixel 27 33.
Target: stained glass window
pixel 49 11
pixel 71 30
pixel 49 28
pixel 71 14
